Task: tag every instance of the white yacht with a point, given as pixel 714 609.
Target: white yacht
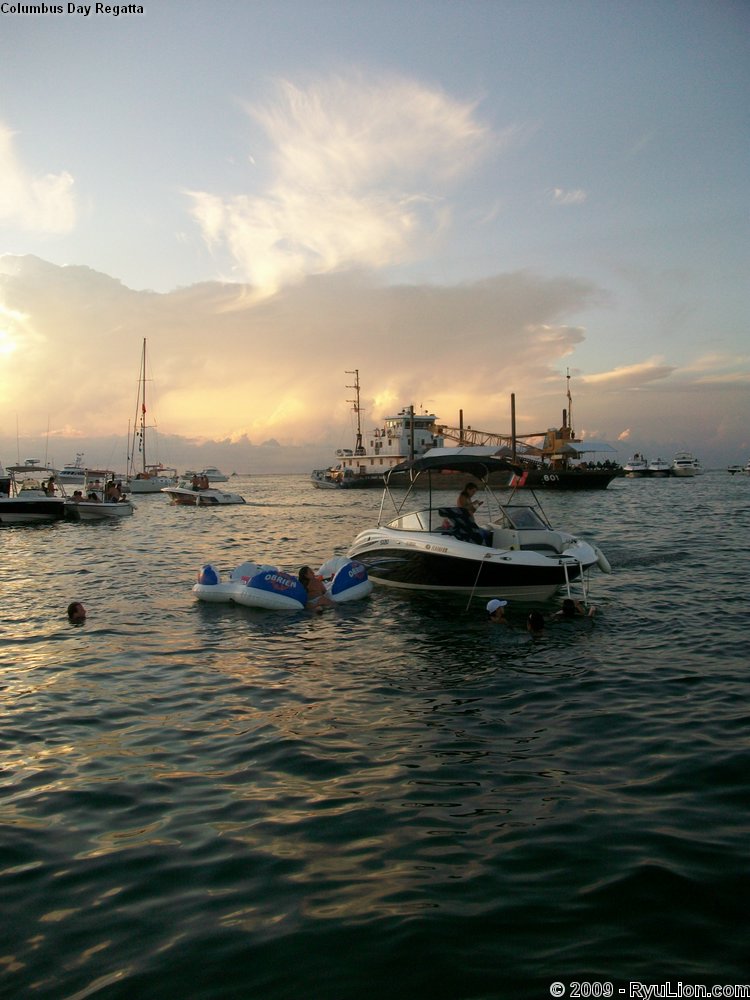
pixel 659 468
pixel 685 464
pixel 636 467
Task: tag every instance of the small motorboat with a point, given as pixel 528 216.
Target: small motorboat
pixel 186 495
pixel 100 499
pixel 29 494
pixel 515 554
pixel 256 585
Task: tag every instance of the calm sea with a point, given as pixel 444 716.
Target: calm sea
pixel 393 798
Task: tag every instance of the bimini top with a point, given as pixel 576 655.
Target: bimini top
pixel 478 461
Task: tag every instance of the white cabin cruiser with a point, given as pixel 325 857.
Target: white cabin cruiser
pixel 186 495
pixel 515 554
pixel 659 468
pixel 636 467
pixel 686 464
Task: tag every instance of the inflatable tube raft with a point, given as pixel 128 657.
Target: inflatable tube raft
pixel 259 586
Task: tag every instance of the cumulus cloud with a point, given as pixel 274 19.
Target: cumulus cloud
pixel 360 173
pixel 34 203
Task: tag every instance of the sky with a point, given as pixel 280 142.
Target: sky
pixel 462 199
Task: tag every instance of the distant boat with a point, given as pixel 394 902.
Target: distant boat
pixel 401 437
pixel 143 477
pixel 214 475
pixel 659 468
pixel 636 467
pixel 74 472
pixel 685 464
pixel 30 499
pixel 734 469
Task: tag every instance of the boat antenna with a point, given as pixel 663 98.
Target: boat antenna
pixel 570 404
pixel 357 409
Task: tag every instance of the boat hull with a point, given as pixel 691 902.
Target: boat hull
pixel 87 511
pixel 426 562
pixel 16 510
pixel 185 497
pixel 563 479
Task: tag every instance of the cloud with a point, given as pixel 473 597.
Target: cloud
pixel 40 204
pixel 361 175
pixel 562 197
pixel 631 376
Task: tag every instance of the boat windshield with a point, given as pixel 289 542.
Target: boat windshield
pixel 522 518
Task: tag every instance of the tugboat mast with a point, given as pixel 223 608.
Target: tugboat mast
pixel 358 449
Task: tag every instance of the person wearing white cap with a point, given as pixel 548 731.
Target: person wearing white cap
pixel 496 612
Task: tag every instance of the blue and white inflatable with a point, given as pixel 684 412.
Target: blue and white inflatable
pixel 260 586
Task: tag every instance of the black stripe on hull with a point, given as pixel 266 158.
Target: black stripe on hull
pixel 416 569
pixel 32 511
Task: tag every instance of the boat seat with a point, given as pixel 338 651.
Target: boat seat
pixel 460 525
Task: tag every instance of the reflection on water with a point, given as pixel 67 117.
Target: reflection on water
pixel 207 800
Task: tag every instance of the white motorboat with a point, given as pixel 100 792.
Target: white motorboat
pixel 636 467
pixel 685 464
pixel 145 477
pixel 214 475
pixel 73 473
pixel 401 437
pixel 186 495
pixel 100 499
pixel 515 554
pixel 30 495
pixel 659 468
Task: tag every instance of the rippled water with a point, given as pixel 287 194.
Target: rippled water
pixel 394 797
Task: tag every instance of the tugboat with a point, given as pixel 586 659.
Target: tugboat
pixel 402 437
pixel 562 462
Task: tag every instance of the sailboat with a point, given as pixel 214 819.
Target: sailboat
pixel 143 477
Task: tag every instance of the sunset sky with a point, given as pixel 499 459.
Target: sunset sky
pixel 461 198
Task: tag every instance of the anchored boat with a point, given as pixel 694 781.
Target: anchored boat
pixel 440 547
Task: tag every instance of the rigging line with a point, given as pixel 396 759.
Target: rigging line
pixel 488 555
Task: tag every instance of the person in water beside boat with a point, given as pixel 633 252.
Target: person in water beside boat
pixel 496 611
pixel 317 597
pixel 573 609
pixel 76 613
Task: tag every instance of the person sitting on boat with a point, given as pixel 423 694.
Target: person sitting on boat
pixel 316 589
pixel 467 503
pixel 112 494
pixel 203 483
pixel 93 497
pixel 195 482
pixel 77 496
pixel 466 499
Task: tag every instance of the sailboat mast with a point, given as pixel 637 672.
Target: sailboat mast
pixel 143 406
pixel 570 404
pixel 357 409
